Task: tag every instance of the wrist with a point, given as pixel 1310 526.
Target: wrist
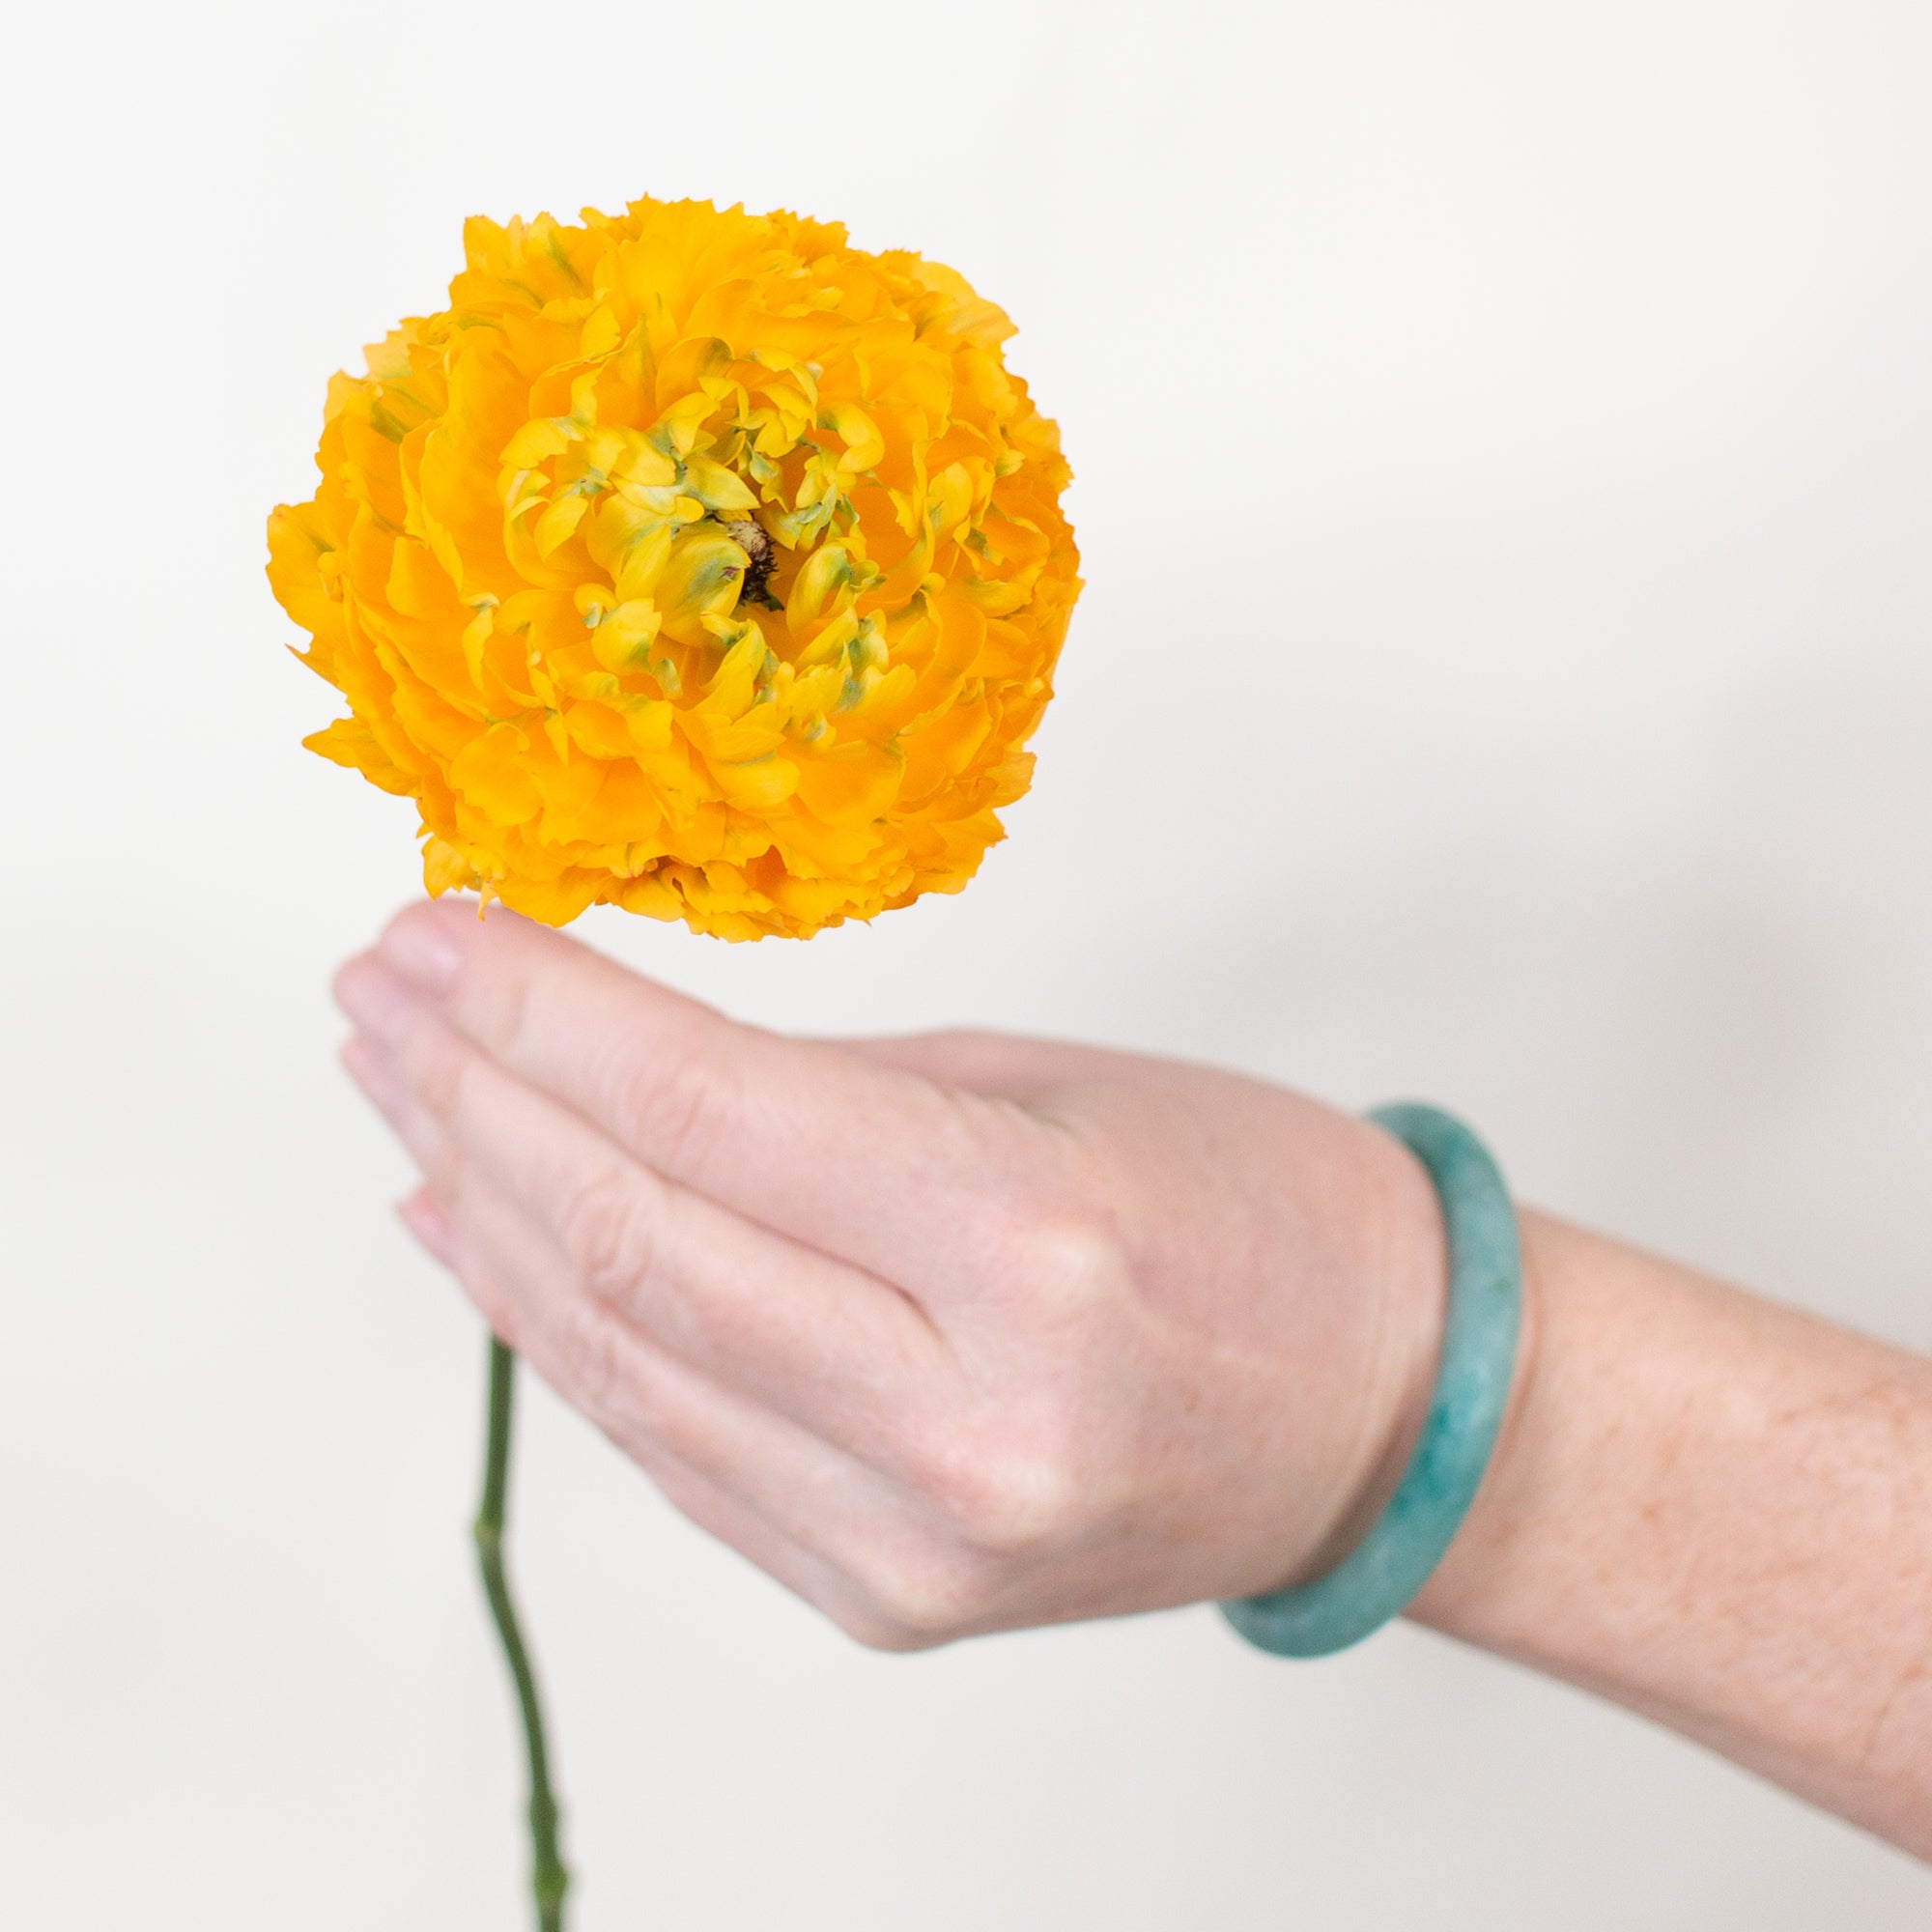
pixel 1472 1380
pixel 1405 1277
pixel 1466 1592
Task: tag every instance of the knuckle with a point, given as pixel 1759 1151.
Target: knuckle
pixel 934 1599
pixel 589 1356
pixel 1069 1263
pixel 1003 1492
pixel 959 1053
pixel 963 1038
pixel 493 996
pixel 666 1108
pixel 1015 1504
pixel 435 1061
pixel 605 1227
pixel 876 1632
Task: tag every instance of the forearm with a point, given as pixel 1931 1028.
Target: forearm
pixel 1716 1512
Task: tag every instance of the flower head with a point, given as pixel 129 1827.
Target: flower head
pixel 692 561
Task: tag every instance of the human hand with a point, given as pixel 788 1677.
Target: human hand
pixel 949 1334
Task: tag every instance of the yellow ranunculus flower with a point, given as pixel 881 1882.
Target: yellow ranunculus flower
pixel 692 561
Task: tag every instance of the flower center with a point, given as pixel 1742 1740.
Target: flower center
pixel 750 538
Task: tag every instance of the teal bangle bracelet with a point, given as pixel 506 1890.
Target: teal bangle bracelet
pixel 1378 1579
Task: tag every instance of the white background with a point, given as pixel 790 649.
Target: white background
pixel 1504 441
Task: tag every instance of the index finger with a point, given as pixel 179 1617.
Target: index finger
pixel 869 1162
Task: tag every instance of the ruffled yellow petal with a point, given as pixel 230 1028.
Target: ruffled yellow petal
pixel 691 561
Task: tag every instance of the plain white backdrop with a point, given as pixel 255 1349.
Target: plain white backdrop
pixel 1504 451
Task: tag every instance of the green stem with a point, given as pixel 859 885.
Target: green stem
pixel 548 1880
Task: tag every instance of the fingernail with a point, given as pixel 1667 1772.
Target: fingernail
pixel 376 1077
pixel 375 999
pixel 421 948
pixel 426 1218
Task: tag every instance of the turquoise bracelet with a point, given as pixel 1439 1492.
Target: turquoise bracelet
pixel 1378 1579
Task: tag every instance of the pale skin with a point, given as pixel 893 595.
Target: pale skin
pixel 961 1332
